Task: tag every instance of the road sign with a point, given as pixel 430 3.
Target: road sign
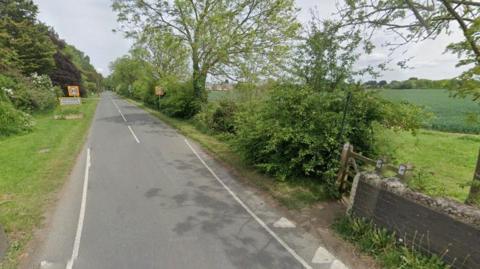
pixel 159 91
pixel 73 91
pixel 70 101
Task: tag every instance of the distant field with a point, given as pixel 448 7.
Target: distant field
pixel 451 114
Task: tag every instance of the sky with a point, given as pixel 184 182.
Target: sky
pixel 88 25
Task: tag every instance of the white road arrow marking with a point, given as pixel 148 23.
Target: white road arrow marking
pixel 322 256
pixel 338 265
pixel 284 223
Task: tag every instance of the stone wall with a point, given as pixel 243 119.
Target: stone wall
pixel 435 225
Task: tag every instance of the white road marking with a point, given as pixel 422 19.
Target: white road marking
pixel 81 216
pixel 134 136
pixel 323 256
pixel 275 236
pixel 119 111
pixel 45 264
pixel 284 223
pixel 338 265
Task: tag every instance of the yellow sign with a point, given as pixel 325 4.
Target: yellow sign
pixel 159 91
pixel 73 91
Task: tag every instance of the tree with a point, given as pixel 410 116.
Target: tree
pixel 224 37
pixel 167 54
pixel 418 20
pixel 430 19
pixel 326 59
pixel 25 37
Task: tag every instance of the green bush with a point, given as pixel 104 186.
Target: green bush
pixel 179 100
pixel 291 134
pixel 13 121
pixel 30 94
pixel 218 116
pixel 298 132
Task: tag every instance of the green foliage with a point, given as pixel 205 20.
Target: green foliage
pixel 383 245
pixel 411 83
pixel 33 94
pixel 13 121
pixel 218 116
pixel 179 100
pixel 450 114
pixel 164 51
pixel 326 59
pixel 222 37
pixel 90 78
pixel 297 131
pixel 25 41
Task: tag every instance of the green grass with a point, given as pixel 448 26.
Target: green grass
pixel 444 162
pixel 450 114
pixel 33 168
pixel 383 245
pixel 295 193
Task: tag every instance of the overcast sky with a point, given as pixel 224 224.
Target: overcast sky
pixel 88 24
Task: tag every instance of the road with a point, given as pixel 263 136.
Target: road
pixel 143 196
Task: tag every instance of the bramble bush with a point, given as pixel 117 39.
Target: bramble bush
pixel 296 131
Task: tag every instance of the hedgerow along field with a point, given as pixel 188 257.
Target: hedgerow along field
pixel 449 114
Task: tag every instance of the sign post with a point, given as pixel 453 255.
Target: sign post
pixel 73 96
pixel 159 92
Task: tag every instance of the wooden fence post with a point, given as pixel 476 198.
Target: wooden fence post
pixel 474 195
pixel 347 148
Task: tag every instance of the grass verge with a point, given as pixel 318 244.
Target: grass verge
pixel 296 193
pixel 33 168
pixel 444 162
pixel 383 245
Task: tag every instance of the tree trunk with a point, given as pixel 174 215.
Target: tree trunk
pixel 474 195
pixel 199 83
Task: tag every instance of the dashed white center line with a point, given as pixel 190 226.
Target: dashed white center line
pixel 81 216
pixel 254 216
pixel 133 133
pixel 119 111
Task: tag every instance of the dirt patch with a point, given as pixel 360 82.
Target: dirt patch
pixel 69 117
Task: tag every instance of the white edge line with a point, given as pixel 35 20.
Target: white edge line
pixel 119 111
pixel 134 136
pixel 81 216
pixel 279 240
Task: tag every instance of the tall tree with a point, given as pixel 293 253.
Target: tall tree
pixel 221 34
pixel 26 37
pixel 418 20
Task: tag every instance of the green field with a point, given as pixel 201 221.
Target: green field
pixel 444 162
pixel 33 167
pixel 450 114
